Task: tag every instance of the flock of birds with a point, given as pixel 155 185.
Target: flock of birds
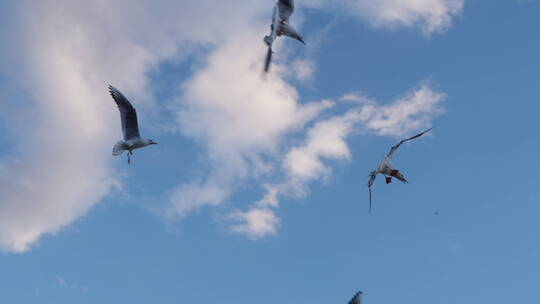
pixel 280 27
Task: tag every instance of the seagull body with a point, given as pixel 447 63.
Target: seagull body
pixel 130 126
pixel 357 299
pixel 280 27
pixel 387 169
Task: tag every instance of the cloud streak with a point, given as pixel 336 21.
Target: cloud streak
pixel 431 16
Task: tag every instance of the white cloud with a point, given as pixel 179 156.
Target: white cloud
pixel 242 120
pixel 429 15
pixel 303 69
pixel 327 139
pixel 239 117
pixel 255 223
pixel 407 113
pixel 195 195
pixel 63 283
pixel 59 165
pixel 271 197
pixel 69 51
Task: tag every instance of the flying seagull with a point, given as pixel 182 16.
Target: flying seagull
pixel 357 299
pixel 130 127
pixel 280 27
pixel 387 169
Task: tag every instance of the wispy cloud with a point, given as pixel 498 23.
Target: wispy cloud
pixel 59 165
pixel 255 223
pixel 326 142
pixel 63 283
pixel 68 52
pixel 431 16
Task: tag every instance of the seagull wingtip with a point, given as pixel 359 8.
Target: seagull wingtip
pixel 114 91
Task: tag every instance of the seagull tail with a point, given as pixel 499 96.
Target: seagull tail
pixel 119 148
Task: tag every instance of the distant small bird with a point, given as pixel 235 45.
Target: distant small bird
pixel 357 299
pixel 387 169
pixel 130 127
pixel 280 27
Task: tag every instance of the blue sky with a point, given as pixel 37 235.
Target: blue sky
pixel 188 221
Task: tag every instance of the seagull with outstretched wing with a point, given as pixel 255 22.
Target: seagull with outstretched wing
pixel 130 126
pixel 386 168
pixel 280 27
pixel 357 299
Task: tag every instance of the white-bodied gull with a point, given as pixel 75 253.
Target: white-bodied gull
pixel 387 169
pixel 280 27
pixel 357 299
pixel 130 126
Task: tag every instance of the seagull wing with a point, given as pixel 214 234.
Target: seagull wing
pixel 394 148
pixel 268 60
pixel 357 299
pixel 275 23
pixel 270 39
pixel 128 115
pixel 286 8
pixel 372 177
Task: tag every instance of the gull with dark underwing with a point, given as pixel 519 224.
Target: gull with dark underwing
pixel 386 168
pixel 130 126
pixel 280 27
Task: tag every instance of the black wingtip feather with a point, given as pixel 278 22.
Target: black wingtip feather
pixel 114 91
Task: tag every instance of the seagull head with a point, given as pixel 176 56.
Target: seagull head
pixel 151 142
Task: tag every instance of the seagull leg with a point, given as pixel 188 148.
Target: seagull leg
pixel 129 158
